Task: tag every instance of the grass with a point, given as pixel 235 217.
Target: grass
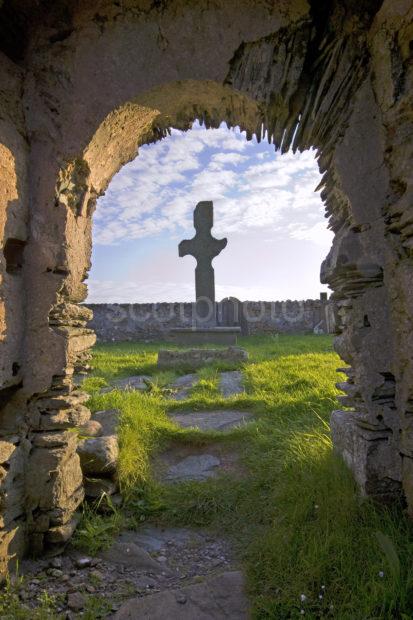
pixel 308 542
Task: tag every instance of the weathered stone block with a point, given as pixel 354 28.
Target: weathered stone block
pixel 12 545
pixel 64 418
pixel 407 469
pixel 6 450
pixel 108 419
pixel 99 455
pixel 196 358
pixel 95 487
pixel 62 533
pixel 211 335
pixel 370 454
pixel 53 475
pixel 92 428
pixel 62 514
pixel 52 439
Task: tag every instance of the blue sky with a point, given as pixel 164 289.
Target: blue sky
pixel 264 203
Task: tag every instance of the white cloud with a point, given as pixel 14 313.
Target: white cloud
pixel 156 193
pixel 317 233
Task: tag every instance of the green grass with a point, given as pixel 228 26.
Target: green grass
pixel 296 518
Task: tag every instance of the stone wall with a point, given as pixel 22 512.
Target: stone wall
pixel 14 445
pixel 143 322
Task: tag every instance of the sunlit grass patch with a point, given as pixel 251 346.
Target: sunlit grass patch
pixel 310 545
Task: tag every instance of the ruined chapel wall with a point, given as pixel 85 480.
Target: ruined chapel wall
pixel 293 68
pixel 72 84
pixel 13 235
pixel 356 267
pixel 13 221
pixel 391 42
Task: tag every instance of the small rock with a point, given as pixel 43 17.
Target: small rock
pixel 144 582
pixel 62 533
pixel 181 598
pixel 96 487
pixel 108 419
pixel 196 467
pixel 55 572
pixel 217 562
pixel 96 574
pixel 92 428
pixel 99 455
pixel 83 562
pixel 56 563
pixel 75 601
pixel 129 554
pixel 136 382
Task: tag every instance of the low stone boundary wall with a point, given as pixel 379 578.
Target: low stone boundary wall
pixel 146 322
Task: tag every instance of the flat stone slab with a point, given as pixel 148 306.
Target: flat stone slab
pixel 135 382
pixel 108 420
pixel 217 598
pixel 155 539
pixel 183 385
pixel 196 358
pixel 204 335
pixel 186 462
pixel 196 467
pixel 230 383
pixel 131 555
pixel 216 420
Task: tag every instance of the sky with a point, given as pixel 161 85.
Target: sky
pixel 264 203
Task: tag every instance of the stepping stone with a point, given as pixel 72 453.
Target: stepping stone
pixel 231 383
pixel 216 598
pixel 184 462
pixel 216 420
pixel 99 455
pixel 182 385
pixel 108 420
pixel 154 539
pixel 136 382
pixel 132 556
pixel 196 467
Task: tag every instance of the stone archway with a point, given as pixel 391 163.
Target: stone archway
pixel 90 87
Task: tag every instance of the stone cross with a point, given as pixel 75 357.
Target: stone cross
pixel 204 247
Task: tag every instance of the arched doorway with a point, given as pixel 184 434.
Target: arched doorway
pixel 119 78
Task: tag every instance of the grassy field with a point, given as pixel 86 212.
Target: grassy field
pixel 310 546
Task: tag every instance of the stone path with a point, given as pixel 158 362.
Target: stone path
pixel 135 382
pixel 147 564
pixel 230 383
pixel 195 467
pixel 183 462
pixel 182 386
pixel 152 573
pixel 218 597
